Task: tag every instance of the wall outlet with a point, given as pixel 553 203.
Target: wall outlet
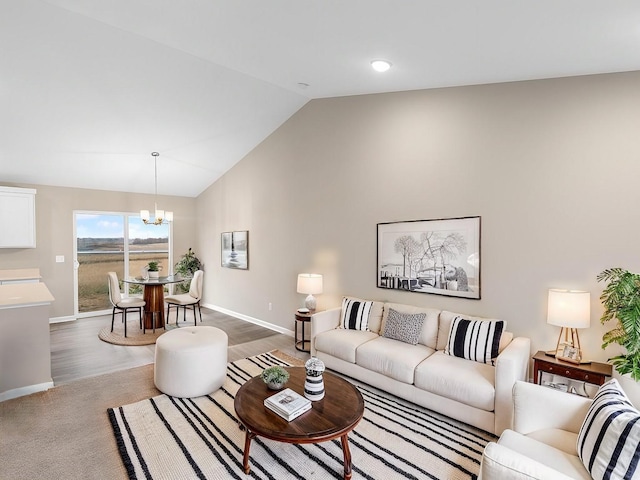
pixel 270 306
pixel 59 258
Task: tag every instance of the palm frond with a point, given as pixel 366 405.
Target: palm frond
pixel 621 301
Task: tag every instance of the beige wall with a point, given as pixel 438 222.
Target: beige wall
pixel 54 233
pixel 552 167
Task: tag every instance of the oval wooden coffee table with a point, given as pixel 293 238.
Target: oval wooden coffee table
pixel 334 416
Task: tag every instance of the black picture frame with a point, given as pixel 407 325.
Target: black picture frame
pixel 234 250
pixel 440 256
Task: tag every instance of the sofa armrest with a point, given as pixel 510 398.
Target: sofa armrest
pixel 538 408
pixel 502 463
pixel 511 365
pixel 322 322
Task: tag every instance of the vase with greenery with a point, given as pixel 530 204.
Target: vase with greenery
pixel 621 301
pixel 275 377
pixel 153 268
pixel 186 267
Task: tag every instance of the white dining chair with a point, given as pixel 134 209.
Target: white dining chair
pixel 191 299
pixel 122 304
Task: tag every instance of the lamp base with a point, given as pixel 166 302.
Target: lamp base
pixel 553 353
pixel 569 350
pixel 310 302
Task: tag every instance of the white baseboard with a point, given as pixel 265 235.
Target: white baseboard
pixel 62 319
pixel 28 390
pixel 249 319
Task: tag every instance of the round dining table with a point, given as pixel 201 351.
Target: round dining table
pixel 154 297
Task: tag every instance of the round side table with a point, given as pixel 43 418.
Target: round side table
pixel 302 318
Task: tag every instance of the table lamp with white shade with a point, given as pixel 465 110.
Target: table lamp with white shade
pixel 569 309
pixel 311 284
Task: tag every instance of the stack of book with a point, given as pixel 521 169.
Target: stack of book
pixel 288 404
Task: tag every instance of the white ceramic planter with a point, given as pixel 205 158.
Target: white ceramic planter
pixel 630 387
pixel 154 274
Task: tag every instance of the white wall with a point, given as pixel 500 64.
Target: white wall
pixel 551 167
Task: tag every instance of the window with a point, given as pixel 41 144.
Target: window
pixel 115 242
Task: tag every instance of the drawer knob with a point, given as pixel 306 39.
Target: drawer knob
pixel 567 372
pixel 586 377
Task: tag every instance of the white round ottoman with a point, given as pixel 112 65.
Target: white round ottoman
pixel 190 361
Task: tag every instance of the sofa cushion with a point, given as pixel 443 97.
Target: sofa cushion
pixel 609 439
pixel 392 358
pixel 359 314
pixel 405 327
pixel 560 461
pixel 342 343
pixel 467 382
pixel 429 333
pixel 502 463
pixel 444 327
pixel 557 438
pixel 476 340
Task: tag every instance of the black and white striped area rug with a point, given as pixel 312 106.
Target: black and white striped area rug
pixel 171 438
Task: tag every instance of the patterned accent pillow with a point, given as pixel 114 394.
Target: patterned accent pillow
pixel 405 327
pixel 609 439
pixel 476 340
pixel 355 314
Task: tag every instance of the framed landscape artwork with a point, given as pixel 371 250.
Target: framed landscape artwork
pixel 235 250
pixel 431 256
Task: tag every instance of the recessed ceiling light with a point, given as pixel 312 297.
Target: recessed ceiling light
pixel 380 65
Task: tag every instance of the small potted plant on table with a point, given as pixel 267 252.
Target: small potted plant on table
pixel 275 377
pixel 154 269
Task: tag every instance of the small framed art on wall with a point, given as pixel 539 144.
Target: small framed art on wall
pixel 235 250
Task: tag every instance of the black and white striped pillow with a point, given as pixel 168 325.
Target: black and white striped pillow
pixel 355 314
pixel 609 439
pixel 477 340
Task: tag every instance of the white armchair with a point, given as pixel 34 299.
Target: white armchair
pixel 542 444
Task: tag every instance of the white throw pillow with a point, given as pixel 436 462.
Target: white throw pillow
pixel 609 439
pixel 476 340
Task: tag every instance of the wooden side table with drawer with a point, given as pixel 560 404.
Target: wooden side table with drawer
pixel 594 373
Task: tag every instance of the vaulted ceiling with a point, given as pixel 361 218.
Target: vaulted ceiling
pixel 89 88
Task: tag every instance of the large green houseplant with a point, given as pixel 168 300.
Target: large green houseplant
pixel 621 301
pixel 186 267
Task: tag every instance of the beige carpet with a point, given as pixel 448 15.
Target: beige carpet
pixel 65 433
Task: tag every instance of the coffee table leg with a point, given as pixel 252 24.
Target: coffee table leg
pixel 247 445
pixel 347 456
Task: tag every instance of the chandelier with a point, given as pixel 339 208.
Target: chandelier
pixel 160 215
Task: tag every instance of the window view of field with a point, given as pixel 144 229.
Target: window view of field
pixel 93 291
pixel 98 254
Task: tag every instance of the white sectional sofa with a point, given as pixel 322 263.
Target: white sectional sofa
pixel 476 393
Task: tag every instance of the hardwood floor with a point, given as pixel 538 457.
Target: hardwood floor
pixel 77 352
